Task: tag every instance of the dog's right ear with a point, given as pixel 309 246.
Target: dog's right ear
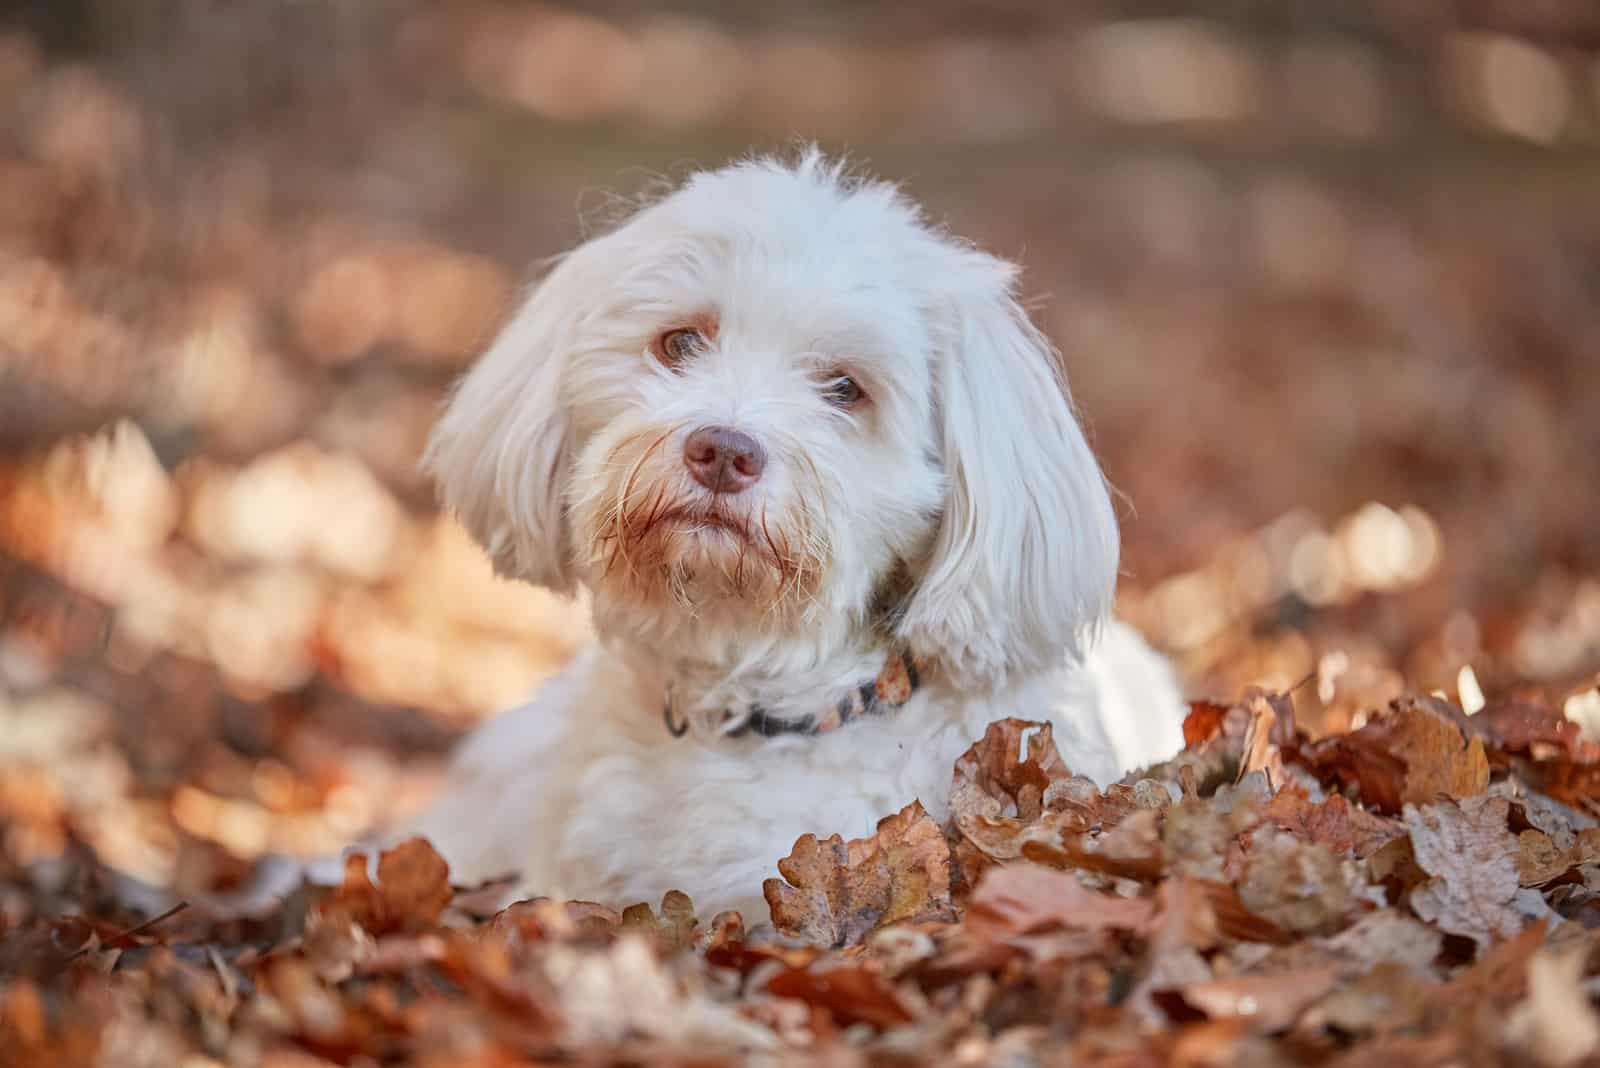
pixel 501 451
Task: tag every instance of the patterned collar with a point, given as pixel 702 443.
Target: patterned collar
pixel 878 696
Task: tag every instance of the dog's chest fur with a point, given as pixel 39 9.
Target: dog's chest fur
pixel 586 794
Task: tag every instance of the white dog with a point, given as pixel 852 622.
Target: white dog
pixel 824 485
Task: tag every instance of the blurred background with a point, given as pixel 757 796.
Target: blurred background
pixel 1326 277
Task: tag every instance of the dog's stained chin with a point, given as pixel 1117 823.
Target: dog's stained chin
pixel 664 543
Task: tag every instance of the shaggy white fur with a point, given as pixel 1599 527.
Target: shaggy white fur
pixel 895 464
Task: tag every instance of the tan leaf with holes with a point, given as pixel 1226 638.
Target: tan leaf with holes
pixel 835 892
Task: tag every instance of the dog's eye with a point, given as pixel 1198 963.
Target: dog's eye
pixel 677 347
pixel 843 392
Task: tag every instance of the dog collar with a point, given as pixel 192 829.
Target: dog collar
pixel 888 690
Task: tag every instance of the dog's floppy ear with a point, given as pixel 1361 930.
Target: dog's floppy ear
pixel 1025 559
pixel 500 453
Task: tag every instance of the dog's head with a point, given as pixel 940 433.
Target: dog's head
pixel 777 400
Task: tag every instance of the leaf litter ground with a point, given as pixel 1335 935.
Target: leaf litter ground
pixel 1263 898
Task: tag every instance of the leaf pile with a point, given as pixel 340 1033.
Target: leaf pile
pixel 1263 898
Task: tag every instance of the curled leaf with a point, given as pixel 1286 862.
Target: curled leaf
pixel 1416 752
pixel 1005 774
pixel 412 890
pixel 833 893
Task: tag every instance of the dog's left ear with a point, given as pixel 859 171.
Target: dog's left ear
pixel 1024 564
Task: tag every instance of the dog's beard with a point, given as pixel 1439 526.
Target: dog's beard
pixel 660 536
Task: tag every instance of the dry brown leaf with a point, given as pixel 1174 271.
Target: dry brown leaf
pixel 1026 898
pixel 726 929
pixel 1499 976
pixel 1298 885
pixel 1075 812
pixel 1261 753
pixel 1215 745
pixel 1388 997
pixel 673 930
pixel 1335 822
pixel 1471 857
pixel 1006 772
pixel 1268 1002
pixel 1199 837
pixel 523 923
pixel 999 787
pixel 1556 1023
pixel 1385 937
pixel 1205 721
pixel 1414 753
pixel 833 893
pixel 1539 859
pixel 412 891
pixel 852 991
pixel 1539 731
pixel 1133 849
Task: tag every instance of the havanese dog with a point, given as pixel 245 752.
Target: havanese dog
pixel 823 484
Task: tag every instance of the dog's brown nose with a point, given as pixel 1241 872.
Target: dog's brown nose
pixel 724 460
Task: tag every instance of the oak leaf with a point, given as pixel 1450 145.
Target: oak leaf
pixel 1334 822
pixel 673 930
pixel 411 893
pixel 1003 785
pixel 834 893
pixel 1413 754
pixel 1472 858
pixel 1005 774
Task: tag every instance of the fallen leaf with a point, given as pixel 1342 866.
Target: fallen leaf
pixel 833 893
pixel 1268 1002
pixel 1412 754
pixel 1213 757
pixel 852 991
pixel 1556 1022
pixel 1540 860
pixel 1204 722
pixel 1198 836
pixel 673 930
pixel 412 891
pixel 1076 815
pixel 1385 937
pixel 1298 885
pixel 1387 997
pixel 1261 753
pixel 1499 976
pixel 1026 898
pixel 999 787
pixel 1471 857
pixel 1133 849
pixel 1334 822
pixel 726 929
pixel 1540 731
pixel 1006 772
pixel 1237 921
pixel 1184 928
